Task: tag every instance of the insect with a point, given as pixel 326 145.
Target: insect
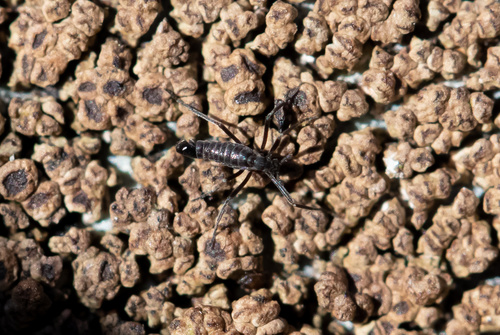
pixel 237 155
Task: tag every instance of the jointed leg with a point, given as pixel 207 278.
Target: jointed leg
pixel 235 175
pixel 227 201
pixel 288 197
pixel 231 177
pixel 286 132
pixel 292 93
pixel 285 159
pixel 267 122
pixel 204 117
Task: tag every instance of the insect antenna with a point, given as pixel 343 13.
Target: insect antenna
pixel 226 203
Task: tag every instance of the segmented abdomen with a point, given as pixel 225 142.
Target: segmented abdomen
pixel 230 154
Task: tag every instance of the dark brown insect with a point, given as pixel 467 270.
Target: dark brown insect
pixel 239 156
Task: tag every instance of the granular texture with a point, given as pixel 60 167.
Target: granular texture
pixel 370 129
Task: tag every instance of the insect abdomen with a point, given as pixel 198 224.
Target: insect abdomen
pixel 230 154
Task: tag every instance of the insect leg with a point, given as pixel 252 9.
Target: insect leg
pixel 226 203
pixel 288 197
pixel 292 93
pixel 204 117
pixel 285 159
pixel 231 177
pixel 235 175
pixel 286 132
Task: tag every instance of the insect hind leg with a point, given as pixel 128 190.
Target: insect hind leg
pixel 205 117
pixel 209 193
pixel 267 122
pixel 288 130
pixel 231 196
pixel 288 197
